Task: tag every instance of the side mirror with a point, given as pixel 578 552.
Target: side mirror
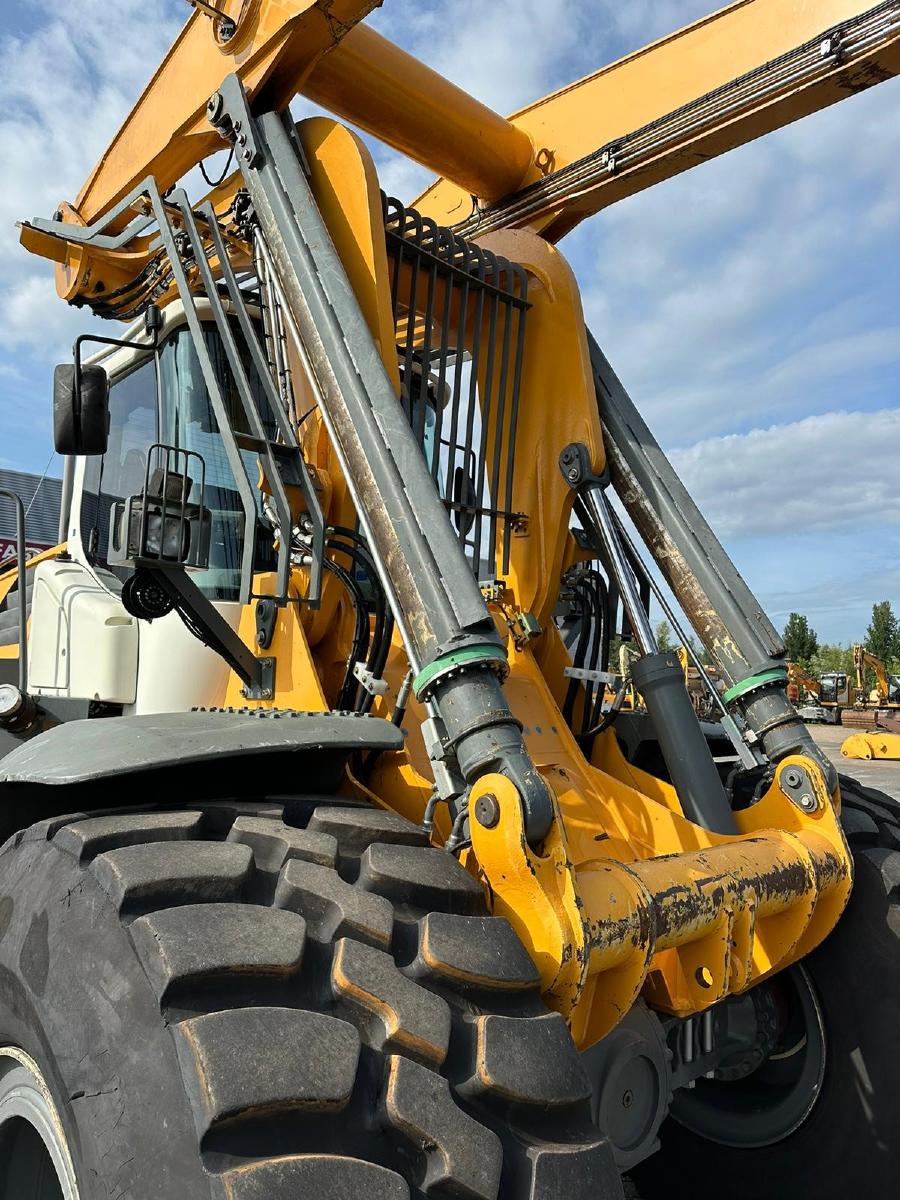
pixel 80 410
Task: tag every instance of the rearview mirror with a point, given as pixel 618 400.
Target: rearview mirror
pixel 80 410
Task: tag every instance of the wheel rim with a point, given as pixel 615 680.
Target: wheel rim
pixel 776 1099
pixel 35 1163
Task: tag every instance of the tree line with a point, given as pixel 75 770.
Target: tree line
pixel 882 638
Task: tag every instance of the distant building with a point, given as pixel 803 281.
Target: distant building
pixel 42 521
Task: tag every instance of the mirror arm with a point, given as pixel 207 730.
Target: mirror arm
pixel 153 325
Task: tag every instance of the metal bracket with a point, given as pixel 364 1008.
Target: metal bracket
pixel 575 465
pixel 238 132
pixel 262 687
pixel 369 680
pixel 796 784
pixel 448 781
pixel 210 627
pixel 592 676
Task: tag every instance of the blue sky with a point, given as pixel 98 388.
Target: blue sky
pixel 751 306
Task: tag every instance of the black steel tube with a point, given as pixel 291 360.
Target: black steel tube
pixel 65 501
pixel 443 616
pixel 722 610
pixel 659 679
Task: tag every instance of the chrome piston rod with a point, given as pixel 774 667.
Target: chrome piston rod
pixel 595 507
pixel 658 677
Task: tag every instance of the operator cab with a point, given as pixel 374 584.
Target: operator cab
pixel 153 390
pixel 161 399
pixel 833 688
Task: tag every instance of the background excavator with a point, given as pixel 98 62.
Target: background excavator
pixel 886 692
pixel 880 706
pixel 324 874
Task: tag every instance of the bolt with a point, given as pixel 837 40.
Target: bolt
pixel 487 811
pixel 214 107
pixel 792 777
pixel 627 1098
pixel 572 474
pixel 808 803
pixel 248 155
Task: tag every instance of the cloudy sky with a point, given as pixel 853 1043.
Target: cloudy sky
pixel 751 306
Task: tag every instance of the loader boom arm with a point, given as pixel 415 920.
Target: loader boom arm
pixel 739 73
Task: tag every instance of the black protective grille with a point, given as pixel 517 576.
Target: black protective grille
pixel 459 315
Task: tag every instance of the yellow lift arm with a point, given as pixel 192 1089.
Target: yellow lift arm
pixel 802 678
pixel 739 73
pixel 862 659
pixel 744 71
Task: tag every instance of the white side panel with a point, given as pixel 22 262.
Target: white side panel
pixel 48 629
pixel 82 643
pixel 177 672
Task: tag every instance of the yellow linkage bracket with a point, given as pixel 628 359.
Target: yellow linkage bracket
pixel 875 744
pixel 687 928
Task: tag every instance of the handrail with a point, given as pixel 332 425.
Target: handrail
pixel 23 604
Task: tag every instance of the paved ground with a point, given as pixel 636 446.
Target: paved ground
pixel 874 773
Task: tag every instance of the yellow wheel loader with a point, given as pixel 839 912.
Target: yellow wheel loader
pixel 326 873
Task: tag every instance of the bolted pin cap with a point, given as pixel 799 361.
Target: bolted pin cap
pixel 487 811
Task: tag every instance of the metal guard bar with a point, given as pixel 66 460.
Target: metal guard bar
pixel 20 586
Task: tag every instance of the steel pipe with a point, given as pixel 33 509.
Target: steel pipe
pixel 378 87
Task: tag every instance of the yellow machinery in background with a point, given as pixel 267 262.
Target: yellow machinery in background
pixel 886 693
pixel 367 892
pixel 799 677
pixel 881 742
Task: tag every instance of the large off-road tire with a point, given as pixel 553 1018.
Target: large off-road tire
pixel 849 1143
pixel 265 1003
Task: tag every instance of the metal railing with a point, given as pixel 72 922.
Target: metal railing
pixel 459 315
pixel 20 586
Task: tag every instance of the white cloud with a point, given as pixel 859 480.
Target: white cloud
pixel 64 90
pixel 828 472
pixel 65 87
pixel 724 295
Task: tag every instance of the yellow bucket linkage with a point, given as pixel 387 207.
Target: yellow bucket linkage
pixel 686 928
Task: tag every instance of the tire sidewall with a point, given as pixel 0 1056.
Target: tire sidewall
pixel 74 997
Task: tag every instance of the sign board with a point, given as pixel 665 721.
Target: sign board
pixel 8 549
